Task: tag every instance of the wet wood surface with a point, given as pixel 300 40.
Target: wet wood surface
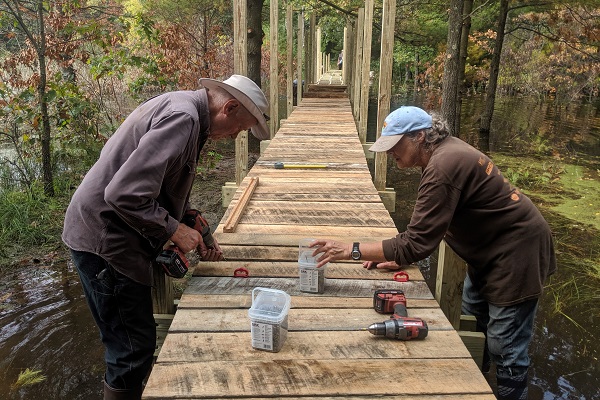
pixel 328 353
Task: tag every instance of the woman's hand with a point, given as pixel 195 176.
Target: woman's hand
pixel 331 251
pixel 381 265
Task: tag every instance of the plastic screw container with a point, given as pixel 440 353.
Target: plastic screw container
pixel 269 318
pixel 312 279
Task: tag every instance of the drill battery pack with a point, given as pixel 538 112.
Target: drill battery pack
pixel 384 300
pixel 173 262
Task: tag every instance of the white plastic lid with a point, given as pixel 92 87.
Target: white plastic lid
pixel 269 305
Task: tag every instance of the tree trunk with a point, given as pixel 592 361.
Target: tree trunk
pixel 450 81
pixel 462 61
pixel 45 134
pixel 490 93
pixel 255 39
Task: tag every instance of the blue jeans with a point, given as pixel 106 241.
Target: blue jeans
pixel 122 309
pixel 508 330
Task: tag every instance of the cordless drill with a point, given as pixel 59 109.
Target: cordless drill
pixel 399 326
pixel 172 259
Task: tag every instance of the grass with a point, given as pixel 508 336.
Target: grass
pixel 30 220
pixel 27 378
pixel 569 198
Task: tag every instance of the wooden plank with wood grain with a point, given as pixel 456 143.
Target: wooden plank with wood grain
pixel 307 345
pixel 289 269
pixel 282 378
pixel 299 319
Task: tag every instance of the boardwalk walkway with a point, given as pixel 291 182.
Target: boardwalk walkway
pixel 327 354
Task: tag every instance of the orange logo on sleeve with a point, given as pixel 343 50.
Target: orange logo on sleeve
pixel 514 197
pixel 488 169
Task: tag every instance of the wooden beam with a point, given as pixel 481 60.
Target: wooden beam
pixel 162 292
pixel 357 65
pixel 274 69
pixel 240 66
pixel 365 70
pixel 289 24
pixel 234 217
pixel 385 85
pixel 299 50
pixel 449 282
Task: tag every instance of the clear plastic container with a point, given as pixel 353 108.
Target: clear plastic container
pixel 269 318
pixel 311 278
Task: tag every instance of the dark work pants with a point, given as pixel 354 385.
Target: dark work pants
pixel 508 331
pixel 122 309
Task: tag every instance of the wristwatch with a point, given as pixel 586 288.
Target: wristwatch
pixel 355 253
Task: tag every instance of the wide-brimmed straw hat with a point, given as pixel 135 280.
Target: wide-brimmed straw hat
pixel 401 121
pixel 250 95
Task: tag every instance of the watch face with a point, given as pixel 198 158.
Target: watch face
pixel 355 252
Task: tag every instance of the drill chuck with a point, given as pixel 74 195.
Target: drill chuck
pixel 401 328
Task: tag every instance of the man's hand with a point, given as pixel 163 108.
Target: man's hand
pixel 210 254
pixel 186 238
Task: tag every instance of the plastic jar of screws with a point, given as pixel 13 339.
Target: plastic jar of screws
pixel 312 279
pixel 269 318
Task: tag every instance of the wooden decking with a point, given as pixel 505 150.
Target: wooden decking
pixel 328 354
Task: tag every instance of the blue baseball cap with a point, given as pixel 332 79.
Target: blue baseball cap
pixel 403 120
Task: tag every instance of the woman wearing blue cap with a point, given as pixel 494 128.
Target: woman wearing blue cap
pixel 464 199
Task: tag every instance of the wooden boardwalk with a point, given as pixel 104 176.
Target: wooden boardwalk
pixel 328 354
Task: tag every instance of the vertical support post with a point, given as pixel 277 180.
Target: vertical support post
pixel 385 85
pixel 163 295
pixel 274 70
pixel 318 55
pixel 365 69
pixel 449 283
pixel 240 66
pixel 299 50
pixel 345 53
pixel 289 23
pixel 357 64
pixel 310 59
pixel 349 57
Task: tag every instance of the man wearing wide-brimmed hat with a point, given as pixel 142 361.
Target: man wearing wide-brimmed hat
pixel 130 204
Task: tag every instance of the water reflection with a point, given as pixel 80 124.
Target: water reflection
pixel 46 326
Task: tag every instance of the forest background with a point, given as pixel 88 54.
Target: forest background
pixel 71 71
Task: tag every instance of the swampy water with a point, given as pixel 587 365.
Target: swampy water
pixel 45 324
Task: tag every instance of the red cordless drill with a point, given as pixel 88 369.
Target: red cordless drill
pixel 172 259
pixel 399 326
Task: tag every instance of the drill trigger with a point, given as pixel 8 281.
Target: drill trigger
pixel 241 273
pixel 400 276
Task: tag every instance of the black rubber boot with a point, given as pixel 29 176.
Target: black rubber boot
pixel 512 387
pixel 121 394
